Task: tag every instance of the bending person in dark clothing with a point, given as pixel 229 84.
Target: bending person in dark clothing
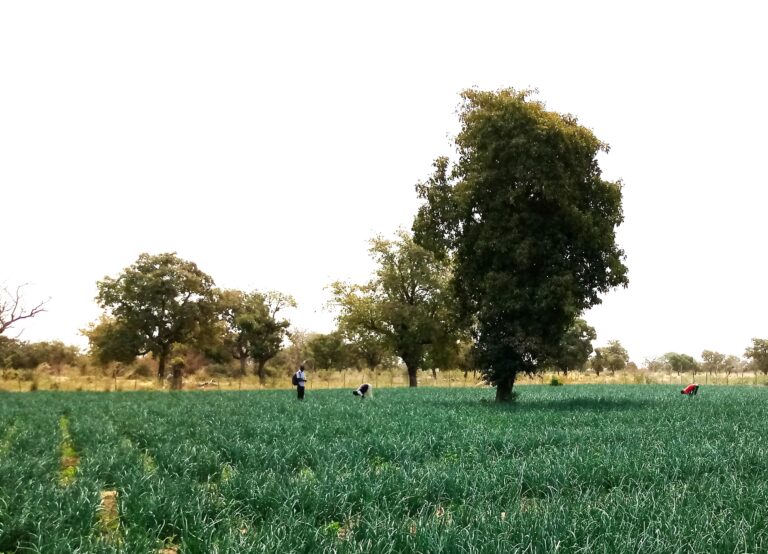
pixel 363 391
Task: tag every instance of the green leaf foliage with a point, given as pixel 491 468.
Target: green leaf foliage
pixel 575 347
pixel 406 306
pixel 758 354
pixel 530 224
pixel 576 469
pixel 681 362
pixel 252 327
pixel 330 351
pixel 156 302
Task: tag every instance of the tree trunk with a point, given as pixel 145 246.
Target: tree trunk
pixel 261 372
pixel 177 375
pixel 412 372
pixel 412 363
pixel 161 368
pixel 243 359
pixel 504 389
pixel 434 373
pixel 412 381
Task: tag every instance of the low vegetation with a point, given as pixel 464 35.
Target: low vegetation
pixel 595 468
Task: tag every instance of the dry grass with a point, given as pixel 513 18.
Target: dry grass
pixel 318 380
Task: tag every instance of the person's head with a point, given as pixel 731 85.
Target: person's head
pixel 301 367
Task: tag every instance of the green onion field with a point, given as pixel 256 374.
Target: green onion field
pixel 586 468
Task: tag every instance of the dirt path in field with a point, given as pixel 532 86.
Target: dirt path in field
pixel 109 517
pixel 69 457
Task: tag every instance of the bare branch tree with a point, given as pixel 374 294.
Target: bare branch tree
pixel 12 308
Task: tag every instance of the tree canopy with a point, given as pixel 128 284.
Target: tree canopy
pixel 614 355
pixel 680 363
pixel 530 225
pixel 758 354
pixel 156 302
pixel 575 347
pixel 252 328
pixel 406 305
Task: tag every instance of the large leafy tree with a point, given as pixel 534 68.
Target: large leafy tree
pixel 156 302
pixel 758 354
pixel 407 304
pixel 681 363
pixel 531 225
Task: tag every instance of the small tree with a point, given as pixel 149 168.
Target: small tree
pixel 266 332
pixel 406 304
pixel 681 363
pixel 111 342
pixel 731 364
pixel 575 347
pixel 658 364
pixel 251 327
pixel 597 362
pixel 615 355
pixel 712 362
pixel 329 351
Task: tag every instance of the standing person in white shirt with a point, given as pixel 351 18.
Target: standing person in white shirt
pixel 300 379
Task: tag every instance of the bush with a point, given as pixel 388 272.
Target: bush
pixel 221 370
pixel 555 382
pixel 141 368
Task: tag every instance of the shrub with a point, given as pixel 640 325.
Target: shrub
pixel 219 370
pixel 555 382
pixel 141 368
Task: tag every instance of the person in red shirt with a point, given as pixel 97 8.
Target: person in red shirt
pixel 690 390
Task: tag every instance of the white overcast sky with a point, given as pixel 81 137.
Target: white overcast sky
pixel 268 141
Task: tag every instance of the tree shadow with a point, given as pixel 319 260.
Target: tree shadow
pixel 593 404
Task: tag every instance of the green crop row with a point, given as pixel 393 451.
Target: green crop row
pixel 575 468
